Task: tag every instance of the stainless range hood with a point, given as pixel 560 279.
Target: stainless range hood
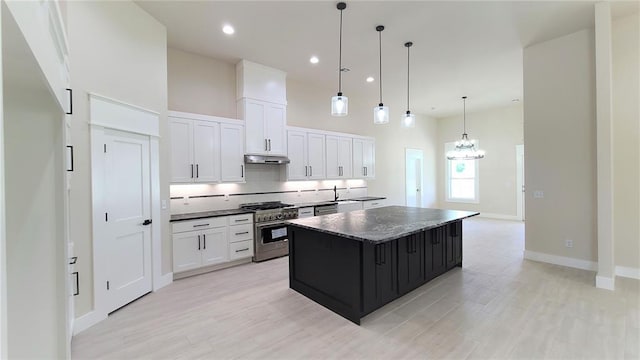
pixel 265 159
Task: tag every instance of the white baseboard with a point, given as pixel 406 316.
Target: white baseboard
pixel 628 272
pixel 607 283
pixel 499 216
pixel 86 321
pixel 163 281
pixel 561 260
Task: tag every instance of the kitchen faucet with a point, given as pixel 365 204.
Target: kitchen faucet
pixel 335 193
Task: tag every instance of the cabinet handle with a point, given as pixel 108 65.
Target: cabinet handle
pixel 73 260
pixel 310 170
pixel 204 242
pixel 241 171
pixel 70 166
pixel 241 233
pixel 70 112
pixel 306 170
pixel 239 220
pixel 245 249
pixel 201 225
pixel 198 242
pixel 197 171
pixel 192 171
pixel 265 145
pixel 374 204
pixel 77 275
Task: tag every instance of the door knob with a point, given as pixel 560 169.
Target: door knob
pixel 147 222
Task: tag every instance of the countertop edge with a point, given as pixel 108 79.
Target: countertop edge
pixel 208 214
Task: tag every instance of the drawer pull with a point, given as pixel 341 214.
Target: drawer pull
pixel 200 225
pixel 244 232
pixel 240 220
pixel 374 204
pixel 245 249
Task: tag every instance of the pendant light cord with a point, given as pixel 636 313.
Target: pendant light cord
pixel 408 49
pixel 340 58
pixel 380 47
pixel 464 115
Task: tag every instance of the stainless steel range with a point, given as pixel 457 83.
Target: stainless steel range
pixel 270 233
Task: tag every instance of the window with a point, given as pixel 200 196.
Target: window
pixel 461 179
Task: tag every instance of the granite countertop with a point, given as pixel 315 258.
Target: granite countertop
pixel 381 224
pixel 366 198
pixel 208 214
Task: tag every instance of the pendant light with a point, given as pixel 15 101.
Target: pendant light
pixel 380 112
pixel 465 148
pixel 339 103
pixel 408 119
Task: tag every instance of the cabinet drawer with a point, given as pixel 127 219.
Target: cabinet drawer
pixel 241 219
pixel 305 212
pixel 200 224
pixel 373 204
pixel 240 233
pixel 241 249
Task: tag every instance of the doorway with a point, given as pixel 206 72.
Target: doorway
pixel 414 159
pixel 520 185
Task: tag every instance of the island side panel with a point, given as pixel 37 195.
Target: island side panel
pixel 326 269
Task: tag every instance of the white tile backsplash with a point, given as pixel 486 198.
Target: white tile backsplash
pixel 260 179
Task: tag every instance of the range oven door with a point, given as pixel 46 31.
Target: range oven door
pixel 271 240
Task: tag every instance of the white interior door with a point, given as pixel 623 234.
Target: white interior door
pixel 128 204
pixel 413 177
pixel 520 186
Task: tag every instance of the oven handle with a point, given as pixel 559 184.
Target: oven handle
pixel 259 226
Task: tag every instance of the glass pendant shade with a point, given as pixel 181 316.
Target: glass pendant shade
pixel 381 114
pixel 408 120
pixel 339 105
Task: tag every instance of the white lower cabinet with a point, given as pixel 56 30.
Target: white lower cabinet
pixel 211 241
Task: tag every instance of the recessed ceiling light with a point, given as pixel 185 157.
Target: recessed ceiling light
pixel 314 60
pixel 228 29
pixel 370 79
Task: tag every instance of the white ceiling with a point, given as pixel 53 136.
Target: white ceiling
pixel 460 48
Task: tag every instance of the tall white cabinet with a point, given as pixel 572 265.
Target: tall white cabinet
pixel 205 149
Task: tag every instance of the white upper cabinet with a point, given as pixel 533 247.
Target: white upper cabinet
pixel 205 149
pixel 262 104
pixel 339 157
pixel 265 126
pixel 363 158
pixel 232 152
pixel 307 155
pixel 42 26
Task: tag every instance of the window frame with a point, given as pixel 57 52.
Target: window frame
pixel 447 180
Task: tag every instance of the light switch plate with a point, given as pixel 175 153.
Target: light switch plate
pixel 538 194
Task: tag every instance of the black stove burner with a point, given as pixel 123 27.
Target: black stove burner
pixel 264 206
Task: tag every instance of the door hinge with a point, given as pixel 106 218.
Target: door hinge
pixel 105 148
pixel 106 217
pixel 107 285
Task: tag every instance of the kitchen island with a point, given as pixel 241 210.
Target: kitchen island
pixel 354 263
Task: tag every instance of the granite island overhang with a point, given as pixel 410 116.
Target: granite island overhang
pixel 354 263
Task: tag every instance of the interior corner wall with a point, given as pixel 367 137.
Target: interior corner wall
pixel 626 139
pixel 498 131
pixel 119 51
pixel 201 85
pixel 560 153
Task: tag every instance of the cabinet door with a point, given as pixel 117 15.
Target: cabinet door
pixel 254 118
pixel 411 265
pixel 435 254
pixel 206 151
pixel 181 134
pixel 231 153
pixel 380 283
pixel 454 244
pixel 315 155
pixel 275 123
pixel 186 251
pixel 215 246
pixel 358 163
pixel 297 169
pixel 345 158
pixel 368 159
pixel 333 169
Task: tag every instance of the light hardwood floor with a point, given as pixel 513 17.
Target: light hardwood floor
pixel 496 306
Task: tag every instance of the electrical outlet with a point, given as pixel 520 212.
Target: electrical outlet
pixel 568 243
pixel 226 197
pixel 299 192
pixel 538 194
pixel 186 200
pixel 164 204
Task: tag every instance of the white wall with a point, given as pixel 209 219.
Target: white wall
pixel 116 50
pixel 308 106
pixel 560 153
pixel 498 131
pixel 626 140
